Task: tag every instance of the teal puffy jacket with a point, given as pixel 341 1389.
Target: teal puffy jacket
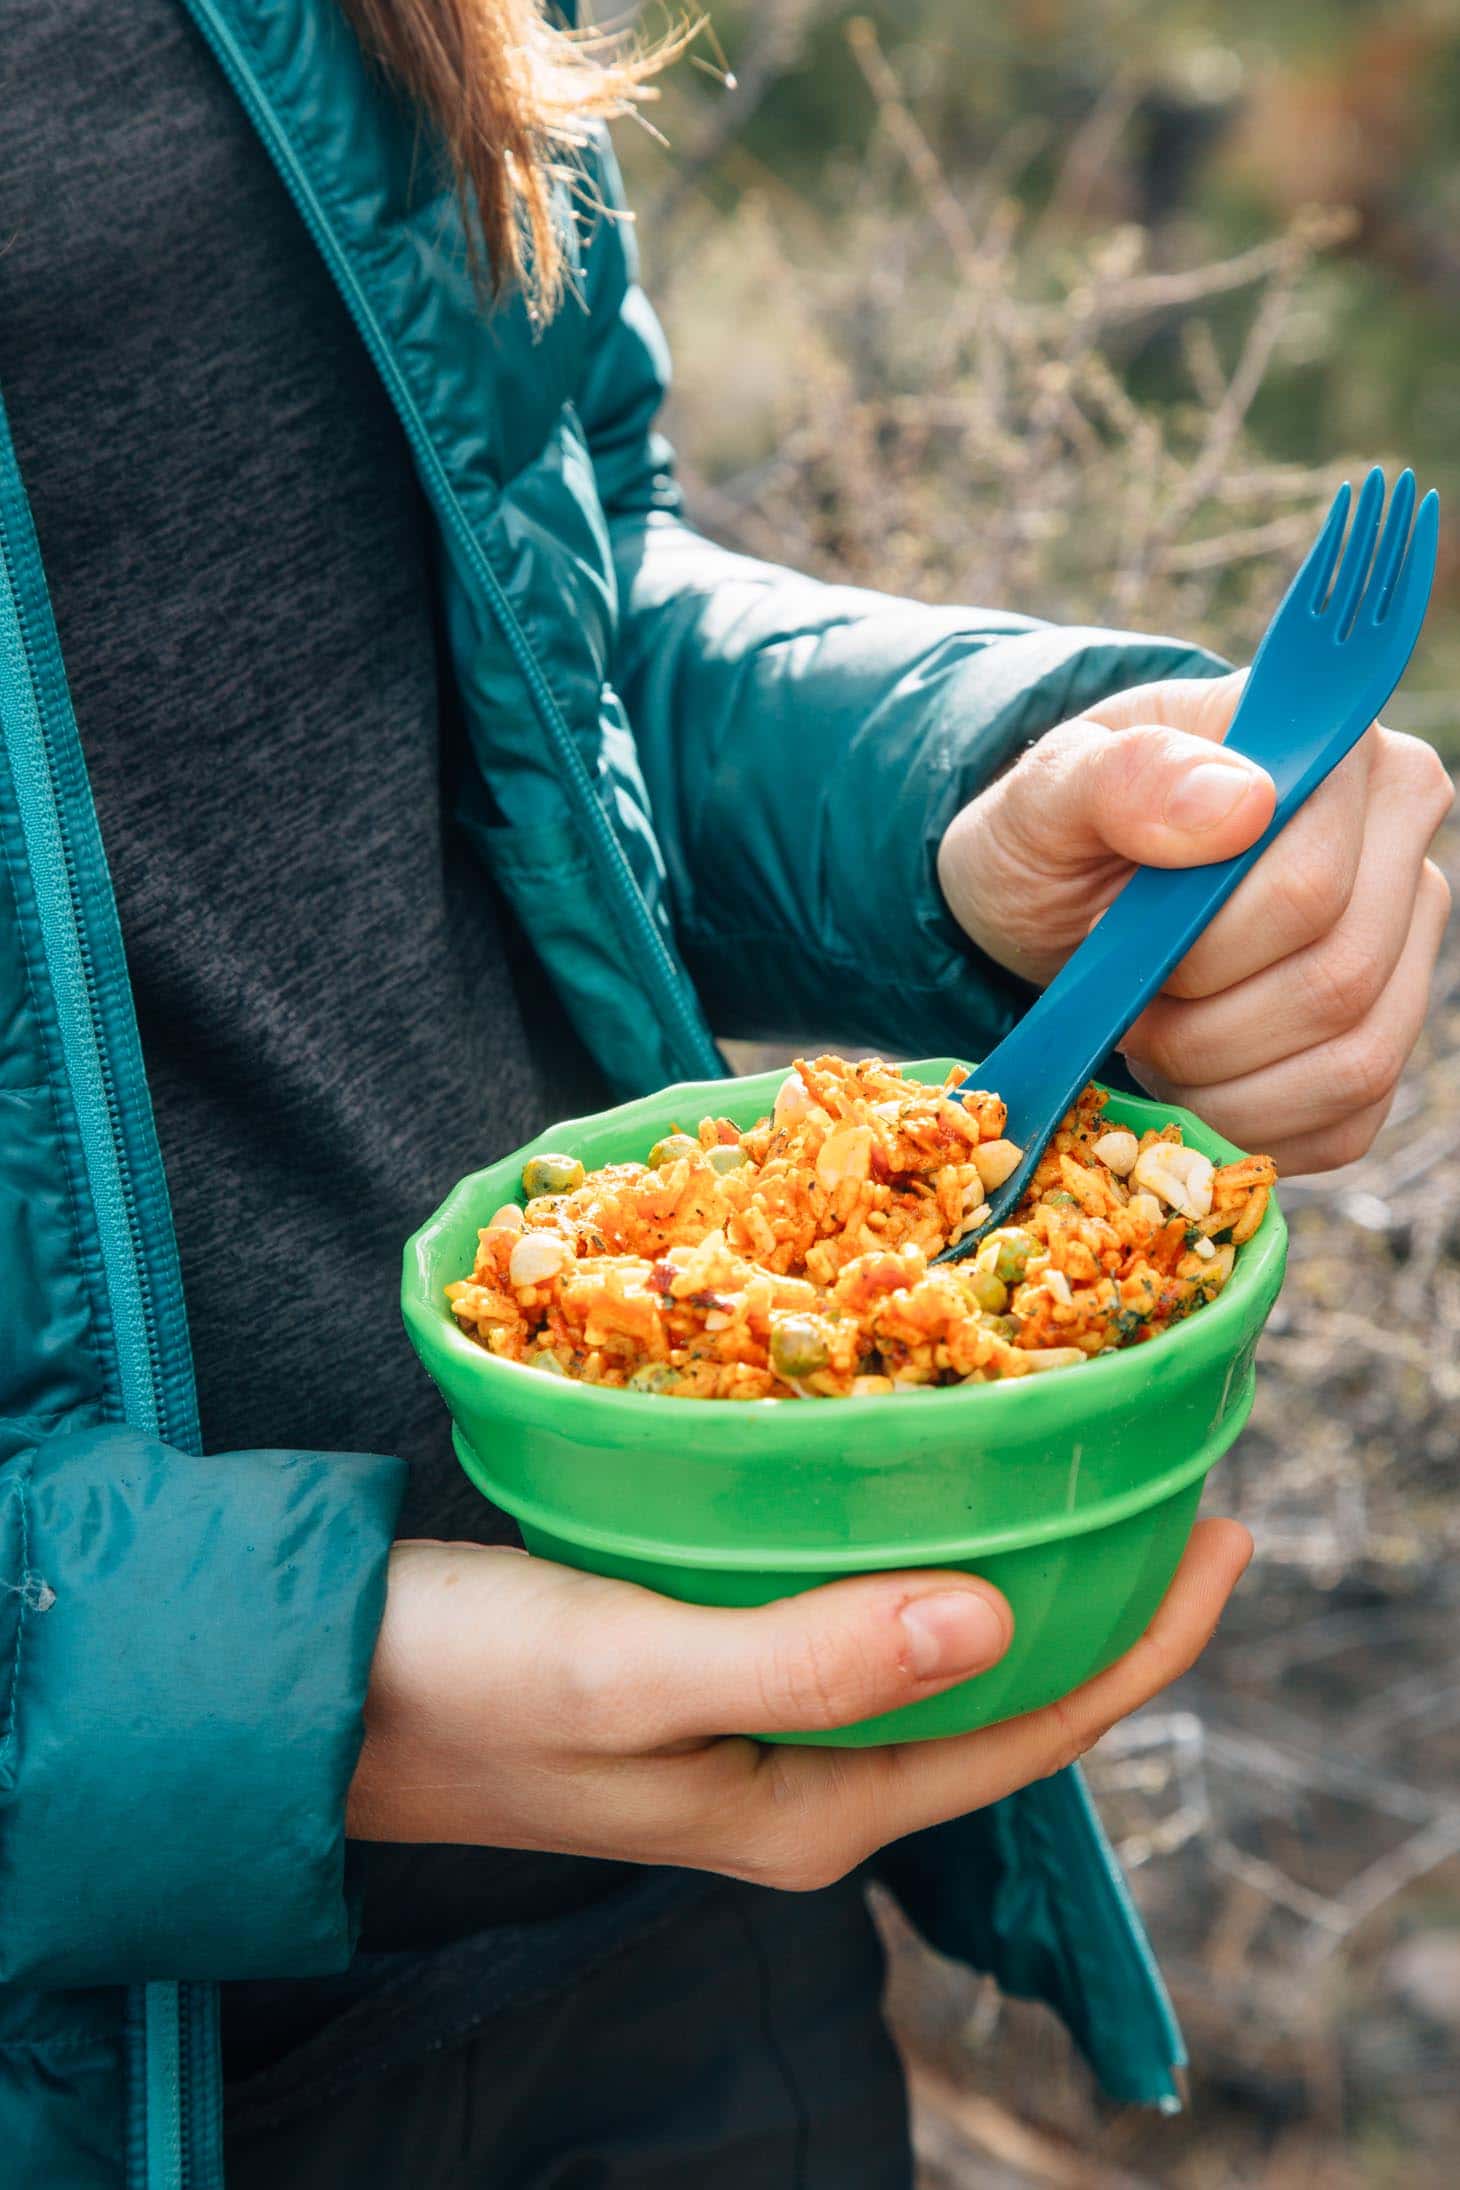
pixel 687 761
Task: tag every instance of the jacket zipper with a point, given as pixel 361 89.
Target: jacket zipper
pixel 661 977
pixel 164 2076
pixel 58 828
pixel 73 986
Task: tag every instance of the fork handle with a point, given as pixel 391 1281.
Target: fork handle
pixel 1148 929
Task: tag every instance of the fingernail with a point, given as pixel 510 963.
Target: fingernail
pixel 957 1632
pixel 1206 794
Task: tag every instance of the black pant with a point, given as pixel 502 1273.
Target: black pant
pixel 739 2047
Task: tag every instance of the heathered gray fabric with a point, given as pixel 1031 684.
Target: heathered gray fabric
pixel 331 1002
pixel 337 1016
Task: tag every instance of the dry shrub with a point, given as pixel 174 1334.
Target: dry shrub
pixel 933 392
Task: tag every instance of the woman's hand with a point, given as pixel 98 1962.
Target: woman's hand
pixel 517 1704
pixel 1289 1022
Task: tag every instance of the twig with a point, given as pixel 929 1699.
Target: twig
pixel 923 164
pixel 981 2126
pixel 1178 291
pixel 774 39
pixel 1245 544
pixel 1383 1880
pixel 1091 147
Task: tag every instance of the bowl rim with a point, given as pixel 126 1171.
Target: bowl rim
pixel 1121 1371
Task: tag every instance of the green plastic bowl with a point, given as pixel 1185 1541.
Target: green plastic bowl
pixel 1074 1493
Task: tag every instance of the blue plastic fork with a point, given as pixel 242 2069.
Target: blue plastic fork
pixel 1331 657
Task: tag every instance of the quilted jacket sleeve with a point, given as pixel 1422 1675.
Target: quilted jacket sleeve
pixel 806 745
pixel 184 1649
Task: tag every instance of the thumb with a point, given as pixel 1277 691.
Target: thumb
pixel 1156 796
pixel 826 1657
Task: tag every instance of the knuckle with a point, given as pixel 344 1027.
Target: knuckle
pixel 1181 1045
pixel 1434 885
pixel 1202 973
pixel 1365 1066
pixel 1314 889
pixel 1428 783
pixel 811 1873
pixel 1159 1657
pixel 1122 759
pixel 1074 1735
pixel 1041 778
pixel 1347 1141
pixel 1161 1049
pixel 808 1831
pixel 1131 763
pixel 820 1680
pixel 1342 983
pixel 1041 766
pixel 1066 742
pixel 799 1864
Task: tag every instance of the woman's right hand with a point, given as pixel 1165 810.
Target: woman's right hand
pixel 518 1704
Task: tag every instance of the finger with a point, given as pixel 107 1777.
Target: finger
pixel 669 1672
pixel 1310 996
pixel 1307 1096
pixel 1337 1145
pixel 1296 893
pixel 1203 705
pixel 1154 796
pixel 1025 866
pixel 809 1815
pixel 935 1783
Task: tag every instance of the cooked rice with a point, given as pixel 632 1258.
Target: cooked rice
pixel 794 1259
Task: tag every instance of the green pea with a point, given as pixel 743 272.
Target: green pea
pixel 655 1376
pixel 798 1346
pixel 727 1156
pixel 551 1175
pixel 1013 1258
pixel 671 1148
pixel 991 1293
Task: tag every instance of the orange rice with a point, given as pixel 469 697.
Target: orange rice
pixel 793 1259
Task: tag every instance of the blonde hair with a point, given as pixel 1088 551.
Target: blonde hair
pixel 513 96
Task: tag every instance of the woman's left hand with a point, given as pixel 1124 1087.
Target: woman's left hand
pixel 1289 1022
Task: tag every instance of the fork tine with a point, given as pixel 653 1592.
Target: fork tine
pixel 1354 568
pixel 1392 544
pixel 1317 567
pixel 1409 597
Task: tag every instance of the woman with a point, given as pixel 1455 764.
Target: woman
pixel 448 782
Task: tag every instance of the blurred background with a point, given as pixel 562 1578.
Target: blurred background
pixel 1083 309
